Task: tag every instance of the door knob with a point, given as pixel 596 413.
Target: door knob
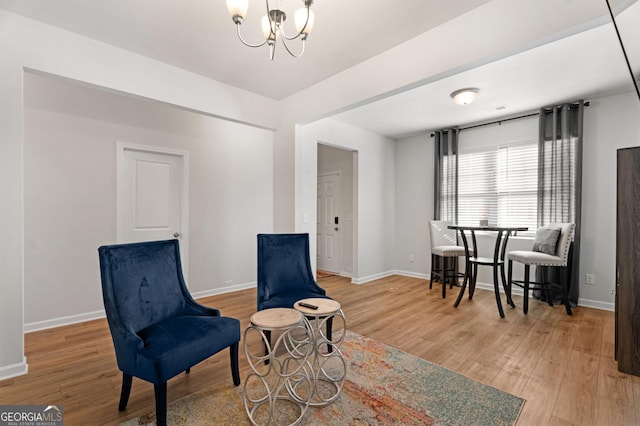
pixel 176 234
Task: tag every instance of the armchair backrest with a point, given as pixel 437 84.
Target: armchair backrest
pixel 440 235
pixel 284 265
pixel 142 284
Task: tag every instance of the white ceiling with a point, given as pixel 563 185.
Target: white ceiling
pixel 198 35
pixel 581 66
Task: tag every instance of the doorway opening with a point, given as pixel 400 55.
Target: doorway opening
pixel 336 195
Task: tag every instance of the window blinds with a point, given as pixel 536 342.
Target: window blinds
pixel 499 184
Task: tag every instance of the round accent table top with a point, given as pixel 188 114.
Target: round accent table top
pixel 275 318
pixel 325 306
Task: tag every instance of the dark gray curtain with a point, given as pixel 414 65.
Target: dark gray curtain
pixel 560 180
pixel 445 203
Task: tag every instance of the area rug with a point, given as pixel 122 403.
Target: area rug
pixel 384 386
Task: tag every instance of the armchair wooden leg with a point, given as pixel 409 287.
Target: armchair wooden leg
pixel 125 392
pixel 233 355
pixel 160 391
pixel 329 327
pixel 267 345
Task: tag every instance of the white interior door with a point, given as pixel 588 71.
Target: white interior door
pixel 328 233
pixel 151 194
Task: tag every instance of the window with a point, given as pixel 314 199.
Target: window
pixel 499 184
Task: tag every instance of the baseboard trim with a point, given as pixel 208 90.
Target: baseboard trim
pixel 345 274
pixel 413 274
pixel 596 304
pixel 62 321
pixel 373 277
pixel 223 290
pixel 89 316
pixel 14 370
pixel 587 303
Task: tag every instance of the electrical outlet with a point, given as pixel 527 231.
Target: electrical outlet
pixel 590 279
pixel 411 258
pixel 613 292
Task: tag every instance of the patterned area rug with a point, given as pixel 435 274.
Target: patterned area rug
pixel 384 386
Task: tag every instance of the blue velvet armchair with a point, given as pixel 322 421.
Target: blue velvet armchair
pixel 158 329
pixel 284 272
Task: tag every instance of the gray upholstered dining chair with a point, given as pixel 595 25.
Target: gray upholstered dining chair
pixel 551 248
pixel 444 255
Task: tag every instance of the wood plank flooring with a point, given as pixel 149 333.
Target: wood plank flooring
pixel 563 366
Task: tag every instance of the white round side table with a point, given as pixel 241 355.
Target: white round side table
pixel 329 368
pixel 279 387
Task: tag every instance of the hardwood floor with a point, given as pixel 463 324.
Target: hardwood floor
pixel 563 366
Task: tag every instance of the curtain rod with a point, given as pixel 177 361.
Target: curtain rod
pixel 500 121
pixel 503 120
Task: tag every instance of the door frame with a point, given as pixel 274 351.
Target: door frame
pixel 121 147
pixel 338 236
pixel 350 270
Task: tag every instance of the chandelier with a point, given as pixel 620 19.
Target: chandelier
pixel 272 24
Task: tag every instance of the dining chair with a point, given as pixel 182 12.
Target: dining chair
pixel 158 329
pixel 444 255
pixel 551 248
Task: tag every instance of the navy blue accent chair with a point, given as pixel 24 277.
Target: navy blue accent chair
pixel 158 329
pixel 284 272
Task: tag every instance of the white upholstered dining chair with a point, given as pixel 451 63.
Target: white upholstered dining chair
pixel 444 255
pixel 550 248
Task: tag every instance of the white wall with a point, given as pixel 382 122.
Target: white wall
pixel 70 191
pixel 27 44
pixel 332 160
pixel 374 216
pixel 414 204
pixel 610 123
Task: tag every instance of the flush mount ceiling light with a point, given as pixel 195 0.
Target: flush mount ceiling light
pixel 272 27
pixel 465 96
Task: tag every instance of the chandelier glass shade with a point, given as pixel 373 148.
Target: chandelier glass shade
pixel 272 24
